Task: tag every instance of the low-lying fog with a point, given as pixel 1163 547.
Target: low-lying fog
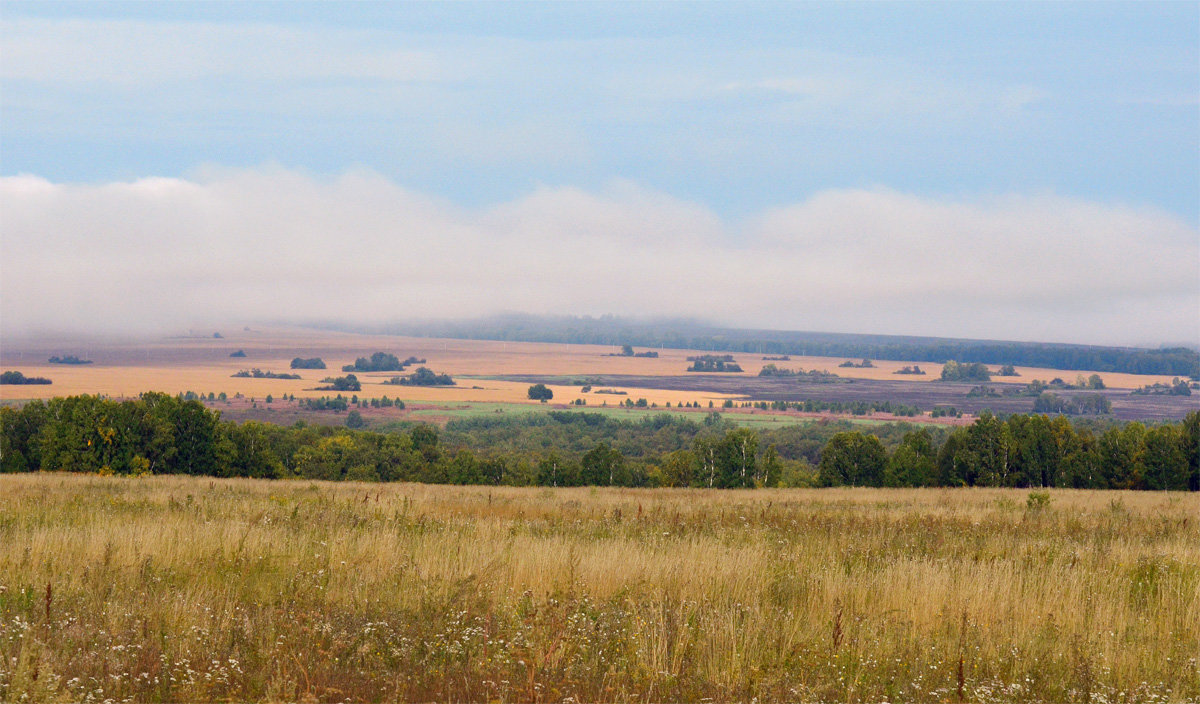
pixel 274 244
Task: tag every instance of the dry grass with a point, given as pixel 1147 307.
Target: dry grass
pixel 126 367
pixel 181 589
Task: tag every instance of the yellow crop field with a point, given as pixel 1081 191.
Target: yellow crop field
pixel 126 367
pixel 199 589
pixel 202 364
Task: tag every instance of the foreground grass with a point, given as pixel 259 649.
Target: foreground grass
pixel 182 589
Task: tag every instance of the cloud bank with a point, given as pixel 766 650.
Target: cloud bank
pixel 271 244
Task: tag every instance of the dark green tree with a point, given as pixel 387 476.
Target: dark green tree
pixel 852 458
pixel 540 392
pixel 736 458
pixel 1164 460
pixel 914 461
pixel 603 466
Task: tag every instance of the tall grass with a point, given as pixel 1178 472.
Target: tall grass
pixel 184 589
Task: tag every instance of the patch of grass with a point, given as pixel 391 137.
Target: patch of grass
pixel 759 419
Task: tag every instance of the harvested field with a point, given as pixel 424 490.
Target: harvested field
pixel 487 372
pixel 202 364
pixel 1125 405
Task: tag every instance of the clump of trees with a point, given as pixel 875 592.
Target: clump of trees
pixel 858 408
pixel 1024 451
pixel 1177 387
pixel 341 383
pixel 423 376
pixel 953 371
pixel 1080 404
pixel 1007 370
pixel 865 364
pixel 713 363
pixel 627 351
pixel 381 362
pixel 68 359
pixel 325 403
pixel 540 392
pixel 19 379
pixel 914 369
pixel 309 363
pixel 1037 386
pixel 260 374
pixel 239 353
pixel 812 374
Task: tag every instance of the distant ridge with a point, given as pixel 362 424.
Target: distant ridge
pixel 692 334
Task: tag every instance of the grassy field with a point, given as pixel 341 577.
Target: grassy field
pixel 195 589
pixel 750 418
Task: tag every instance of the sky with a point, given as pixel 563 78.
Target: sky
pixel 996 170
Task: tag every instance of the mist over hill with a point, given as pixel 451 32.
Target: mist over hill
pixel 688 333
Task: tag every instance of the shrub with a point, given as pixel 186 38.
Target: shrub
pixel 1037 501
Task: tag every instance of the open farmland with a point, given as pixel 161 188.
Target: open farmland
pixel 490 372
pixel 195 589
pixel 202 364
pixel 1125 405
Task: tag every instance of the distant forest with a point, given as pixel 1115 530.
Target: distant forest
pixel 683 334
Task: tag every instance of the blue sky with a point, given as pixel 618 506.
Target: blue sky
pixel 740 110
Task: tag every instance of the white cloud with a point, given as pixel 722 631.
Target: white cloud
pixel 242 245
pixel 138 54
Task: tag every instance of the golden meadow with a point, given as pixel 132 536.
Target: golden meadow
pixel 200 589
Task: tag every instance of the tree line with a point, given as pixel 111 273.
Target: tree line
pixel 162 434
pixel 688 334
